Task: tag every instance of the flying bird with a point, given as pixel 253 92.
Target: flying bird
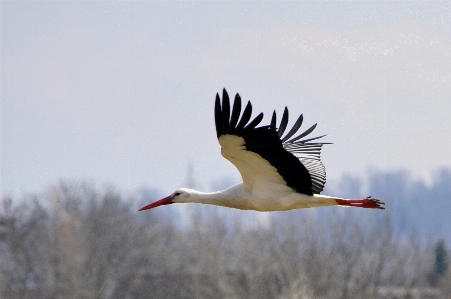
pixel 280 171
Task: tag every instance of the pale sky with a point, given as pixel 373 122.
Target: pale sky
pixel 122 93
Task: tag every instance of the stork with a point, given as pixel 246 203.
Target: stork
pixel 280 172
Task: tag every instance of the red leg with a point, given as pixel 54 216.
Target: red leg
pixel 368 203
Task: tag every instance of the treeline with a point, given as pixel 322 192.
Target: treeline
pixel 416 205
pixel 78 240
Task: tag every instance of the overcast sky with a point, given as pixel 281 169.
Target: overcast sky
pixel 123 92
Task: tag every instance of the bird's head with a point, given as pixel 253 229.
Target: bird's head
pixel 179 196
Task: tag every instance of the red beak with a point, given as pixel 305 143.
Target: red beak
pixel 161 202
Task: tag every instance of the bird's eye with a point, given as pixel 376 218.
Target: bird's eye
pixel 176 194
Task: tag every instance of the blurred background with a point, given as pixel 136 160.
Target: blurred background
pixel 106 106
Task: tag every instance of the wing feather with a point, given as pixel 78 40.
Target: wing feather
pixel 294 129
pixel 308 131
pixel 283 123
pixel 254 123
pixel 274 119
pixel 236 111
pixel 245 117
pixel 225 111
pixel 218 117
pixel 262 153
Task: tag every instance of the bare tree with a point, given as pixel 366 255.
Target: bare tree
pixel 78 240
pixel 22 254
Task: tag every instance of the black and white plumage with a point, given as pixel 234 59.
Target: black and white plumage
pixel 279 171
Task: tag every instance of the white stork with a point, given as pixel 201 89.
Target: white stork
pixel 279 172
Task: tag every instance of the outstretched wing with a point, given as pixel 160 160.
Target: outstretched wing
pixel 259 153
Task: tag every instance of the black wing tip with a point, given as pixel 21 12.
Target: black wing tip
pixel 294 129
pixel 224 94
pixel 254 122
pixel 218 116
pixel 234 122
pixel 226 119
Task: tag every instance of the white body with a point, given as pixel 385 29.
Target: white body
pixel 258 199
pixel 263 188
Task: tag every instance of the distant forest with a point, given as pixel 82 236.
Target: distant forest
pixel 81 240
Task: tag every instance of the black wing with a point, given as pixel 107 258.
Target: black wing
pixel 308 153
pixel 296 161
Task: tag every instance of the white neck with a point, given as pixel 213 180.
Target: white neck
pixel 232 197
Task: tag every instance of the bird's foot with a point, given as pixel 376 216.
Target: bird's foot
pixel 368 203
